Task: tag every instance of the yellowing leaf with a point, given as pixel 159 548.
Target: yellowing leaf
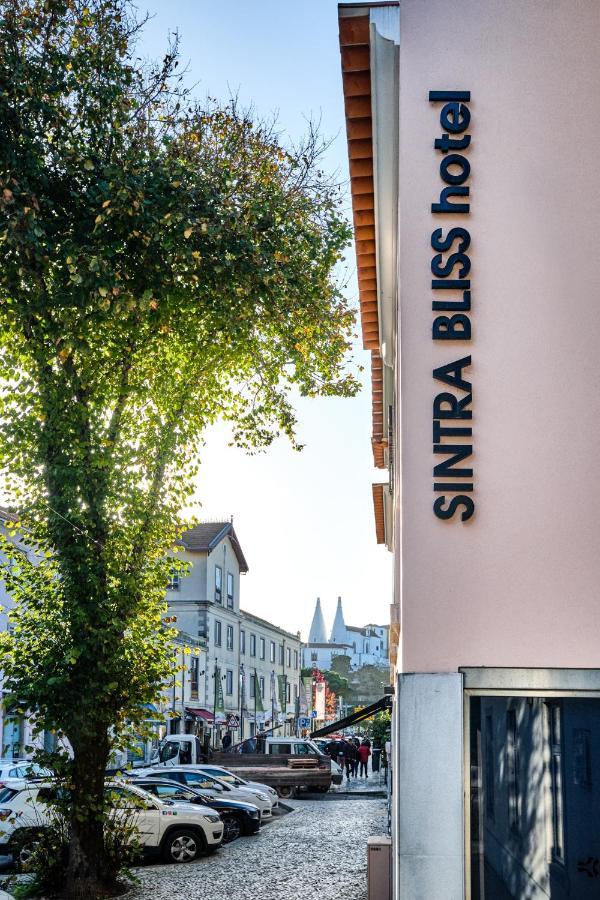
pixel 105 204
pixel 88 165
pixel 187 233
pixel 102 291
pixel 98 219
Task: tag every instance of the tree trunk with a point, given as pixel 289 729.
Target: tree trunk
pixel 89 874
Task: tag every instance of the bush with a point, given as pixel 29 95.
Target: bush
pixel 47 850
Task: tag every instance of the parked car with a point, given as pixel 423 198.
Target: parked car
pixel 238 818
pixel 176 831
pixel 21 768
pixel 236 781
pixel 194 777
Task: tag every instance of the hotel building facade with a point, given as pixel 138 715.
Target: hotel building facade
pixel 473 135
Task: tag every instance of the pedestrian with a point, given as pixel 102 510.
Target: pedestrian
pixel 226 741
pixel 351 760
pixel 364 752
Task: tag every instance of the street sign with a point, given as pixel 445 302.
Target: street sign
pixel 233 721
pixel 303 722
pixel 313 714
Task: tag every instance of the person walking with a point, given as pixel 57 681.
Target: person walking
pixel 364 752
pixel 351 760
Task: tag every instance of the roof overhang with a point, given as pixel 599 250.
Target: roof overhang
pixel 369 36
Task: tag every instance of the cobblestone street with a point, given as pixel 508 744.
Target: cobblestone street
pixel 316 852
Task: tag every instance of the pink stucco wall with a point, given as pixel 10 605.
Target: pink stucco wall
pixel 519 584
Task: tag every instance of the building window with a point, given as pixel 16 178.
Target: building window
pixel 281 654
pixel 556 781
pixel 261 682
pixel 229 682
pixel 313 656
pixel 230 590
pixel 272 651
pixel 289 658
pixel 194 677
pixel 295 659
pixel 288 692
pixel 489 767
pixel 262 647
pixel 217 633
pixel 242 641
pixel 173 582
pixel 252 645
pixel 295 692
pixel 252 686
pixel 218 584
pixel 512 769
pixel 230 637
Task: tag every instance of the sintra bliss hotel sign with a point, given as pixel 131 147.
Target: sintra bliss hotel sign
pixel 451 304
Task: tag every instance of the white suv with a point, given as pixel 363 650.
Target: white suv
pixel 178 832
pixel 196 777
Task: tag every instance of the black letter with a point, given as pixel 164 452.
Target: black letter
pixel 441 244
pixel 444 206
pixel 459 452
pixel 456 305
pixel 435 96
pixel 455 502
pixel 455 117
pixel 442 271
pixel 451 374
pixel 451 328
pixel 457 407
pixel 455 160
pixel 446 143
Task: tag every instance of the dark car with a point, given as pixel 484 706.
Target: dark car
pixel 238 818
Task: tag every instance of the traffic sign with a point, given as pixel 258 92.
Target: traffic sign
pixel 313 714
pixel 303 722
pixel 233 721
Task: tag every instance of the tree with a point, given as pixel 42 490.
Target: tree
pixel 164 264
pixel 341 664
pixel 336 683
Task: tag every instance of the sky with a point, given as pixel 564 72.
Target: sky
pixel 304 520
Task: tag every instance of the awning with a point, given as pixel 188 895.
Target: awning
pixel 198 713
pixel 365 713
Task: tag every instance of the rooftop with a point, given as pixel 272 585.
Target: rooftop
pixel 205 536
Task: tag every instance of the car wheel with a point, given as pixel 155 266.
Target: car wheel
pixel 286 791
pixel 182 846
pixel 233 828
pixel 320 789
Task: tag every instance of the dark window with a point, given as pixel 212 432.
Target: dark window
pixel 252 645
pixel 512 769
pixel 194 677
pixel 295 659
pixel 217 633
pixel 229 682
pixel 218 584
pixel 242 641
pixel 556 781
pixel 281 655
pixel 489 766
pixel 253 686
pixel 262 648
pixel 582 757
pixel 173 582
pixel 289 658
pixel 230 637
pixel 272 651
pixel 230 590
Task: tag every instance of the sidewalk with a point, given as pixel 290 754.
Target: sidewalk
pixel 374 784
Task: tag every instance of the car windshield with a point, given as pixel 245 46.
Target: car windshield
pixel 227 777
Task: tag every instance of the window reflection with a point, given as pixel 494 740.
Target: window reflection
pixel 535 798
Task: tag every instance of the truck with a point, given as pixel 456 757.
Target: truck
pixel 289 765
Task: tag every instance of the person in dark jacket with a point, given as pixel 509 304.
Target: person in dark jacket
pixel 351 760
pixel 226 741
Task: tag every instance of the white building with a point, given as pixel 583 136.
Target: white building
pixel 366 646
pixel 252 669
